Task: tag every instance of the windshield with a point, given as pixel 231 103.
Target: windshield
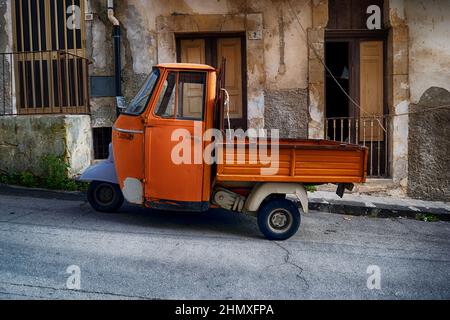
pixel 140 101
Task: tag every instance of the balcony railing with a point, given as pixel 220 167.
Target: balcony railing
pixel 372 132
pixel 43 82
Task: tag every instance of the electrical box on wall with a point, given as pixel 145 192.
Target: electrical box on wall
pixel 102 86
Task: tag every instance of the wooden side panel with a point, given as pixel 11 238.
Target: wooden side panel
pixel 230 49
pixel 297 164
pixel 371 72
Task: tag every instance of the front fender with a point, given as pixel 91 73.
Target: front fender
pixel 102 171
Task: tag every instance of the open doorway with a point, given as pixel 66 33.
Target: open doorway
pixel 337 103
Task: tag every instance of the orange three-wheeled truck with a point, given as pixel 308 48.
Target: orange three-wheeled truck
pixel 175 106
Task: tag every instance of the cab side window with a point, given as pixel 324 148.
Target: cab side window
pixel 182 96
pixel 165 107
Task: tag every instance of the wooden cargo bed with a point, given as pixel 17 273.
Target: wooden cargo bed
pixel 305 161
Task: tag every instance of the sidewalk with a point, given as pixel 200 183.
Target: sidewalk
pixel 382 207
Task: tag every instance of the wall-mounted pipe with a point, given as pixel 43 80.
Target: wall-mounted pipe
pixel 117 55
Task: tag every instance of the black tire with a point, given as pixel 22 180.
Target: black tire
pixel 105 196
pixel 278 219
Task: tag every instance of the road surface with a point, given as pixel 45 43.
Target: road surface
pixel 143 254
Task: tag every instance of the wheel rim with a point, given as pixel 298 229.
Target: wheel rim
pixel 280 220
pixel 104 194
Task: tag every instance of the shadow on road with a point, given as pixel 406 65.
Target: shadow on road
pixel 213 222
pixel 64 209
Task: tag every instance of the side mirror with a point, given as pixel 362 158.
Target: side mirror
pixel 121 103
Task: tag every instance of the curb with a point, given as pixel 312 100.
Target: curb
pixel 379 210
pixel 41 193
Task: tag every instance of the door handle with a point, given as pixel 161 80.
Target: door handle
pixel 127 131
pixel 126 136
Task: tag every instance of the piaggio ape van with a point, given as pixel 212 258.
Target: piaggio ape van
pixel 176 105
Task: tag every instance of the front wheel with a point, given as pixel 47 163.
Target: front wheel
pixel 279 219
pixel 105 196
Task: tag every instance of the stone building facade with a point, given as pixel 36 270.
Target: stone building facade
pixel 283 47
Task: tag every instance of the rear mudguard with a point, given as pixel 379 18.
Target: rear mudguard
pixel 103 171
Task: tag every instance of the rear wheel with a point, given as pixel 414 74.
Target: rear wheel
pixel 105 196
pixel 278 219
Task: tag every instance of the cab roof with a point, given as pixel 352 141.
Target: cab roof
pixel 191 66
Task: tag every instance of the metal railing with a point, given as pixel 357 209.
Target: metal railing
pixel 43 82
pixel 371 132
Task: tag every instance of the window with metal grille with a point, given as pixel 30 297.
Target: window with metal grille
pixel 102 139
pixel 49 56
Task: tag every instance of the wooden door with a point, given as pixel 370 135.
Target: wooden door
pixel 230 49
pixel 211 50
pixel 371 89
pixel 192 51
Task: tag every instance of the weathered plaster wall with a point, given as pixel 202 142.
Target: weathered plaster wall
pixel 429 45
pixel 7 99
pixel 429 152
pixel 398 91
pixel 285 110
pixel 25 140
pixel 99 49
pixel 286 57
pixel 429 83
pixel 278 61
pixel 316 55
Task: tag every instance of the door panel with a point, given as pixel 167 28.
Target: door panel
pixel 371 94
pixel 230 49
pixel 165 179
pixel 192 51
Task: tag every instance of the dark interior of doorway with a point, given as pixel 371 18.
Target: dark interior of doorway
pixel 337 103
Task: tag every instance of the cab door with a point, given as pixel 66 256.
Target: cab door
pixel 173 143
pixel 128 141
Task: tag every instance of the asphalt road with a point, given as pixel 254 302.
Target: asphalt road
pixel 142 254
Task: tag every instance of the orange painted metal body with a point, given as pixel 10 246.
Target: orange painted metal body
pixel 142 147
pixel 145 154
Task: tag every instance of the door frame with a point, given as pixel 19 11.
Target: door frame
pixel 354 38
pixel 211 59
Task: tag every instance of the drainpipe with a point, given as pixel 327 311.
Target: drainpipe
pixel 117 57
